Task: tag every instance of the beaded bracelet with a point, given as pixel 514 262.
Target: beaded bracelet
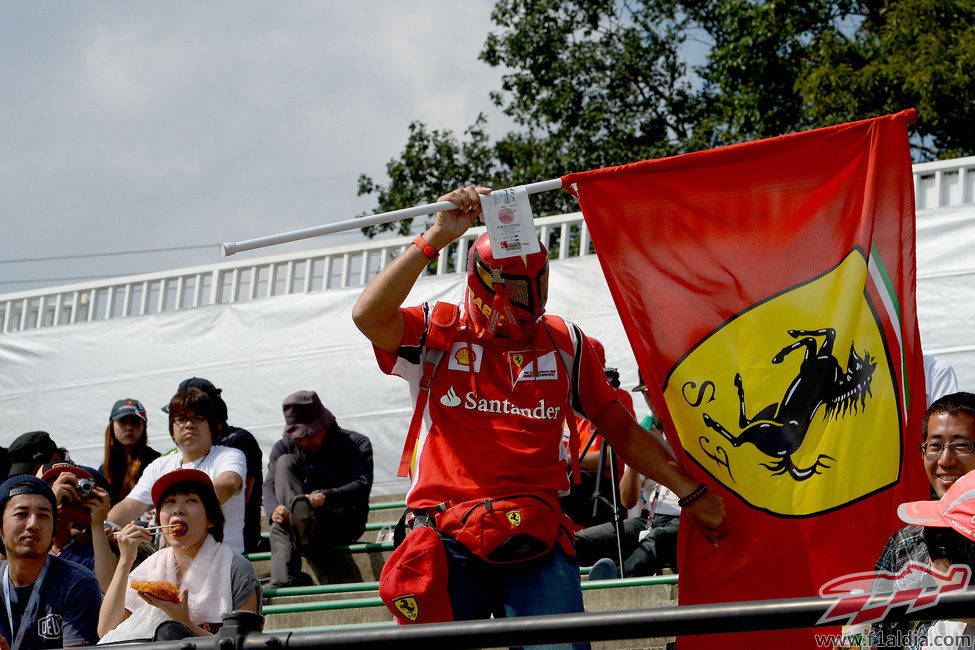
pixel 698 492
pixel 427 249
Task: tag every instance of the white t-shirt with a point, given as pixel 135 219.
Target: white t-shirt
pixel 217 461
pixel 658 499
pixel 939 378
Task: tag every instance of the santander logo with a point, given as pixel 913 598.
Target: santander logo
pixel 450 399
pixel 471 402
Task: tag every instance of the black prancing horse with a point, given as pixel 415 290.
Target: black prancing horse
pixel 779 429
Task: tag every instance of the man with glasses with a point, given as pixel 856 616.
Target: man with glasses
pixel 192 421
pixel 949 440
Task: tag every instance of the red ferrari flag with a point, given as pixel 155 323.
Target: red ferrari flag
pixel 767 291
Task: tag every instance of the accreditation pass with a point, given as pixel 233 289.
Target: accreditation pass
pixel 510 222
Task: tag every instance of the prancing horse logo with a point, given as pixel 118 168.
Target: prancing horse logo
pixel 407 606
pixel 779 429
pixel 819 399
pixel 515 518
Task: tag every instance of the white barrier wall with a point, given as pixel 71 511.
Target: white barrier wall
pixel 65 379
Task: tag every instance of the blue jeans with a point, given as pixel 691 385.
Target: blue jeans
pixel 545 585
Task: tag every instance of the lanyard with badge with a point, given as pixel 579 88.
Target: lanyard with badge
pixel 29 611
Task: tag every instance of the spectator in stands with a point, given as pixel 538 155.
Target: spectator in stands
pixel 31 450
pixel 83 504
pixel 948 430
pixel 317 489
pixel 649 541
pixel 579 503
pixel 127 450
pixel 210 578
pixel 192 418
pixel 939 378
pixel 948 535
pixel 237 438
pixel 488 418
pixel 66 595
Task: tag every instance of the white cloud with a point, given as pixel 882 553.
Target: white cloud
pixel 189 121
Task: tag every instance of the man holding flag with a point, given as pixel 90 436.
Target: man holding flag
pixel 784 350
pixel 488 418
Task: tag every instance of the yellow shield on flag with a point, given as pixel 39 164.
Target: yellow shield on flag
pixel 515 518
pixel 791 404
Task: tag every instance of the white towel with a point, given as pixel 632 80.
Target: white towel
pixel 208 580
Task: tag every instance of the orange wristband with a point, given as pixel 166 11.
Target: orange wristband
pixel 427 249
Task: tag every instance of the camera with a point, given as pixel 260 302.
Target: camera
pixel 85 486
pixel 613 375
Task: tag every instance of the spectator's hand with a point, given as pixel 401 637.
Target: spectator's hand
pixel 129 539
pixel 281 515
pixel 65 488
pixel 707 514
pixel 316 499
pixel 179 612
pixel 451 224
pixel 98 504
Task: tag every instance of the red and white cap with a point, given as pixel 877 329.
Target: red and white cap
pixel 956 509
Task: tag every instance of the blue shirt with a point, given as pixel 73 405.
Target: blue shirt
pixel 79 554
pixel 67 614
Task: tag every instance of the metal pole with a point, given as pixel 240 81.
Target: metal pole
pixel 634 624
pixel 567 628
pixel 229 248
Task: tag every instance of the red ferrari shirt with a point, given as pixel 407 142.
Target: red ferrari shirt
pixel 492 425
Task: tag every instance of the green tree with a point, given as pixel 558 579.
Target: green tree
pixel 431 163
pixel 594 83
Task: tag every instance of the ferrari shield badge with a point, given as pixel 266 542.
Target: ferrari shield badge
pixel 407 606
pixel 791 404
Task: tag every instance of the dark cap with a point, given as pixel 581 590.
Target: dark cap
pixel 170 479
pixel 29 451
pixel 304 415
pixel 128 406
pixel 640 387
pixel 25 484
pixel 198 382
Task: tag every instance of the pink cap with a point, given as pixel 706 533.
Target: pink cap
pixel 956 509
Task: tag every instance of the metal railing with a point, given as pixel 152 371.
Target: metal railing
pixel 341 267
pixel 940 184
pixel 944 183
pixel 240 629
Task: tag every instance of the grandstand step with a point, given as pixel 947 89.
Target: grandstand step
pixel 298 612
pixel 363 562
pixel 384 510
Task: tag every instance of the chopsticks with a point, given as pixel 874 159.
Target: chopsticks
pixel 161 526
pixel 155 528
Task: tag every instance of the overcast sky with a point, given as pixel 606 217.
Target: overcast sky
pixel 139 125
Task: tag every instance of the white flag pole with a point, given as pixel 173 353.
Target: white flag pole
pixel 229 248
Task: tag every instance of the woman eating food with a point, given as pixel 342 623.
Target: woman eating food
pixel 184 589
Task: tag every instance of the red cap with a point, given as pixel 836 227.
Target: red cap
pixel 413 584
pixel 169 479
pixel 69 510
pixel 52 471
pixel 956 509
